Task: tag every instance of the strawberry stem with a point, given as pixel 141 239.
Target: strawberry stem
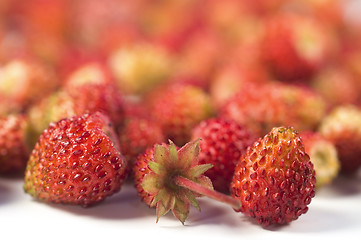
pixel 195 187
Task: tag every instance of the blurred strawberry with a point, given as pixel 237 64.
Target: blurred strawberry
pixel 141 67
pixel 14 151
pixel 342 126
pixel 323 155
pixel 178 108
pixel 296 46
pixel 26 81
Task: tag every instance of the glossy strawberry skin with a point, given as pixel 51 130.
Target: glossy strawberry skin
pixel 275 179
pixel 14 151
pixel 222 144
pixel 178 108
pixel 138 134
pixel 76 161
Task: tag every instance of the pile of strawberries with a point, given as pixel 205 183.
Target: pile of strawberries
pixel 253 103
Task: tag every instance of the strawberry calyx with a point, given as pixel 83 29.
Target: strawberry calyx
pixel 170 163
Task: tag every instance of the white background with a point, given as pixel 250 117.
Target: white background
pixel 334 213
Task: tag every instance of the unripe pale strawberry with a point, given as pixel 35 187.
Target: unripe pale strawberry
pixel 342 126
pixel 323 155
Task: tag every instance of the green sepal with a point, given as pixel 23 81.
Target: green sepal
pixel 151 183
pixel 189 154
pixel 199 169
pixel 173 153
pixel 156 167
pixel 161 154
pixel 181 210
pixel 192 199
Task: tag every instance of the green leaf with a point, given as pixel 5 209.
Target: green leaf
pixel 189 154
pixel 173 153
pixel 164 205
pixel 159 197
pixel 156 167
pixel 151 184
pixel 199 170
pixel 181 210
pixel 161 154
pixel 192 199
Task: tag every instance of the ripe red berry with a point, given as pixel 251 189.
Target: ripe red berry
pixel 275 179
pixel 76 161
pixel 222 144
pixel 14 151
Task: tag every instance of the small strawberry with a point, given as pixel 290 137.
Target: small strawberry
pixel 24 82
pixel 77 101
pixel 323 155
pixel 337 85
pixel 296 46
pixel 178 108
pixel 275 179
pixel 229 79
pixel 222 144
pixel 137 135
pixel 93 73
pixel 76 161
pixel 285 105
pixel 14 151
pixel 155 172
pixel 140 68
pixel 342 126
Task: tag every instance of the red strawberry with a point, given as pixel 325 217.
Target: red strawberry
pixel 275 179
pixel 295 46
pixel 154 173
pixel 342 126
pixel 14 151
pixel 76 161
pixel 76 101
pixel 178 108
pixel 337 85
pixel 261 107
pixel 222 144
pixel 24 82
pixel 137 135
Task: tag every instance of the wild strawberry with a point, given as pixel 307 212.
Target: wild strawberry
pixel 275 179
pixel 25 82
pixel 323 155
pixel 14 151
pixel 140 68
pixel 178 108
pixel 295 46
pixel 154 173
pixel 228 80
pixel 137 135
pixel 76 161
pixel 89 73
pixel 222 144
pixel 342 127
pixel 286 105
pixel 337 85
pixel 76 101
